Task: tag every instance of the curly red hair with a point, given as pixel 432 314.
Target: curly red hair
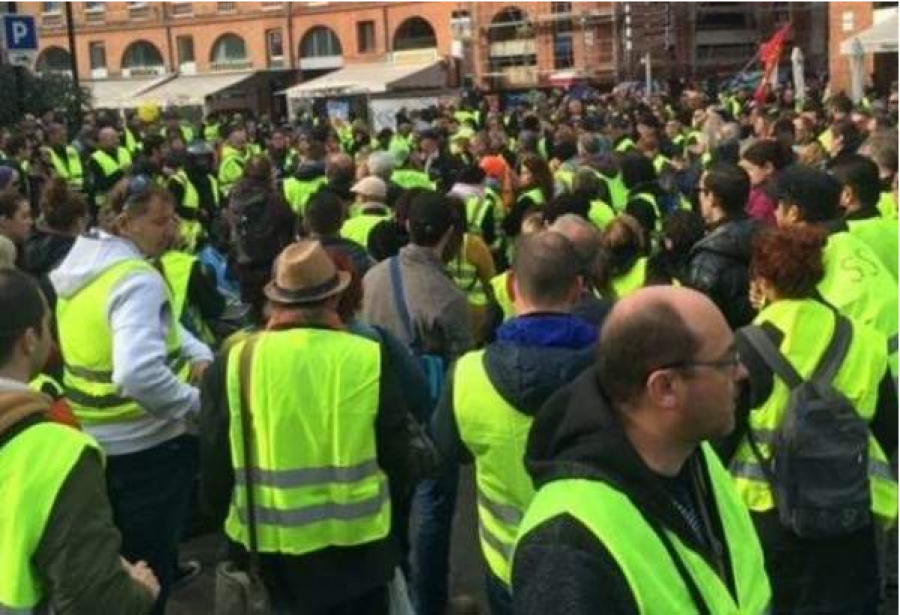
pixel 790 259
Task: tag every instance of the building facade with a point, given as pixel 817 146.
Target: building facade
pixel 847 20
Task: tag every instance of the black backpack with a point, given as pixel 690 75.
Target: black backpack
pixel 818 471
pixel 255 230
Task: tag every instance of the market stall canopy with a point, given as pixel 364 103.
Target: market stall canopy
pixel 191 90
pixel 880 38
pixel 119 93
pixel 371 78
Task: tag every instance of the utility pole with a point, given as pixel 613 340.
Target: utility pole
pixel 73 55
pixel 648 74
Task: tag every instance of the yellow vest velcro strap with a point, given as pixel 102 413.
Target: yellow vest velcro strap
pixel 174 360
pixel 319 513
pixel 307 477
pixel 494 542
pixel 508 514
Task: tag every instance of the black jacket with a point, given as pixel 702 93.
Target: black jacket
pixel 560 566
pixel 44 250
pixel 324 578
pixel 719 267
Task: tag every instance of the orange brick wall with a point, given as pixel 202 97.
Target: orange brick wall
pixel 839 65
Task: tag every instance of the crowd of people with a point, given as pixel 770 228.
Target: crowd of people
pixel 663 330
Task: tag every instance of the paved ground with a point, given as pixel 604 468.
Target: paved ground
pixel 467 567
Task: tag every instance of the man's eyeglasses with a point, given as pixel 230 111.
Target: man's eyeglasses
pixel 731 361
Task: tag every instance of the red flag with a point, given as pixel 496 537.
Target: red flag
pixel 769 55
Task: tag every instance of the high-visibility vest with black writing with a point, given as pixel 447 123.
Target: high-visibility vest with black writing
pixel 646 563
pixel 297 192
pixel 631 281
pixel 317 479
pixel 359 228
pixel 495 433
pixel 412 178
pixel 231 168
pixel 177 267
pixel 34 465
pixel 858 285
pixel 880 234
pixel 808 328
pixel 86 342
pixel 465 275
pixel 68 168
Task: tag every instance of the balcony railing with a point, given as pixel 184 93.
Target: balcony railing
pixel 52 20
pixel 139 10
pixel 226 8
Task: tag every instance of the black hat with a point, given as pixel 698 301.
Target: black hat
pixel 429 217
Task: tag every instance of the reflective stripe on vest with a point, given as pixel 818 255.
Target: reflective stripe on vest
pixel 496 434
pixel 314 454
pixel 231 169
pixel 68 167
pixel 30 489
pixel 359 228
pixel 808 326
pixel 86 342
pixel 535 194
pixel 642 557
pixel 110 165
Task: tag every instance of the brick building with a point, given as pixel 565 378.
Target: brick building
pixel 848 20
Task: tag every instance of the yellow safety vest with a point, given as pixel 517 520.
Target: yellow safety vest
pixel 880 234
pixel 318 483
pixel 176 268
pixel 629 282
pixel 68 168
pixel 645 562
pixel 358 229
pixel 857 284
pixel 501 294
pixel 231 169
pixel 86 342
pixel 297 192
pixel 132 144
pixel 465 276
pixel 109 165
pixel 808 328
pixel 600 214
pixel 34 465
pixel 477 209
pixel 887 205
pixel 496 434
pixel 412 178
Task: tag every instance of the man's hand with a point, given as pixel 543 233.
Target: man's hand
pixel 197 371
pixel 143 576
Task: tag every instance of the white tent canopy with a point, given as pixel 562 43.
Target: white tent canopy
pixel 190 90
pixel 880 38
pixel 372 78
pixel 119 93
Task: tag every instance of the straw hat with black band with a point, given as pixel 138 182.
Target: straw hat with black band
pixel 303 274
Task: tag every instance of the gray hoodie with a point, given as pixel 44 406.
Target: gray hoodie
pixel 139 317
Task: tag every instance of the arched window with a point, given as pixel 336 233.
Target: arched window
pixel 512 55
pixel 414 33
pixel 229 49
pixel 142 56
pixel 54 60
pixel 320 42
pixel 510 24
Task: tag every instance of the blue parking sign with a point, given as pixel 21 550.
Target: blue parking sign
pixel 20 33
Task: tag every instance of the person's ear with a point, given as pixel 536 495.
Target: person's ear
pixel 663 389
pixel 30 341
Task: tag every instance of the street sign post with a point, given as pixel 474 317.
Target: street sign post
pixel 20 39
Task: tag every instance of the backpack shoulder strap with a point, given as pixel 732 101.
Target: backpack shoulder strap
pixel 400 302
pixel 771 356
pixel 836 352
